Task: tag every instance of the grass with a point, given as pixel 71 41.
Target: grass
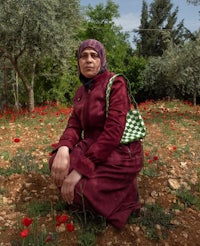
pixel 35 208
pixel 155 220
pixel 150 171
pixel 5 155
pixel 23 162
pixel 189 198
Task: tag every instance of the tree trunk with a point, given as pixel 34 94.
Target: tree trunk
pixel 16 92
pixel 28 86
pixel 195 98
pixel 195 92
pixel 31 101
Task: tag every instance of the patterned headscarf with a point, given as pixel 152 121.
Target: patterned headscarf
pixel 98 47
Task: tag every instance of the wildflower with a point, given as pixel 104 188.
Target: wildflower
pixel 54 145
pixel 27 221
pixel 24 233
pixel 150 161
pixel 174 148
pixel 60 219
pixel 16 140
pixel 70 227
pixel 155 158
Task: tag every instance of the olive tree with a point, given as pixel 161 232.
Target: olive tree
pixel 30 30
pixel 177 72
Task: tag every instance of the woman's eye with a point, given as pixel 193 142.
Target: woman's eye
pixel 94 56
pixel 86 56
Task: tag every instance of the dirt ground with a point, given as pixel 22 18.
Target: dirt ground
pixel 172 161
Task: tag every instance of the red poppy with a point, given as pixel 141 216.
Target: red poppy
pixel 24 233
pixel 174 148
pixel 27 221
pixel 16 140
pixel 150 161
pixel 70 227
pixel 54 145
pixel 155 158
pixel 61 219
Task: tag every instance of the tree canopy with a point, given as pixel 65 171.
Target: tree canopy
pixel 32 29
pixel 158 26
pixel 176 73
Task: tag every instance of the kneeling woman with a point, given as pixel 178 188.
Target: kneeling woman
pixel 89 163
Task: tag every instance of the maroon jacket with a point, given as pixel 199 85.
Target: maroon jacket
pixel 109 168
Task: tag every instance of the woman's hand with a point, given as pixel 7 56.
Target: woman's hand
pixel 60 166
pixel 67 189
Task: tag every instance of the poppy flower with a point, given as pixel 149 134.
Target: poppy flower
pixel 24 233
pixel 155 158
pixel 174 148
pixel 70 227
pixel 16 140
pixel 60 219
pixel 54 145
pixel 27 221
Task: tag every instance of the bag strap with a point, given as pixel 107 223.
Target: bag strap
pixel 109 85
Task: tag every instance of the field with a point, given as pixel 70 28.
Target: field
pixel 33 213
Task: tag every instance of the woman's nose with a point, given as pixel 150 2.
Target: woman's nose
pixel 89 58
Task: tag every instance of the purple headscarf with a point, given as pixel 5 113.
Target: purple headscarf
pixel 98 47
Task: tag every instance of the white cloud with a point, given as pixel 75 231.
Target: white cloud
pixel 128 22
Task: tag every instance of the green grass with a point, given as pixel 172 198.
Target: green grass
pixel 5 155
pixel 150 171
pixel 23 162
pixel 35 208
pixel 153 216
pixel 188 198
pixel 90 225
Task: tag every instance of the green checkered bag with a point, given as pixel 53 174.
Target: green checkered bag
pixel 135 128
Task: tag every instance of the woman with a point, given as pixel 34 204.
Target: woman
pixel 89 164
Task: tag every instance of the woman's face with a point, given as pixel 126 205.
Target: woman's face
pixel 89 63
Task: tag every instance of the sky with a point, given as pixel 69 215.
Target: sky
pixel 130 12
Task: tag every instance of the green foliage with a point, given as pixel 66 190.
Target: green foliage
pixel 176 73
pixel 23 162
pixel 35 208
pixel 158 28
pixel 134 70
pixel 91 224
pixel 5 154
pixel 150 171
pixel 186 197
pixel 86 239
pixel 154 216
pixel 64 90
pixel 27 35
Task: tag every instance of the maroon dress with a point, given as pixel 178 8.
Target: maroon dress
pixel 109 169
